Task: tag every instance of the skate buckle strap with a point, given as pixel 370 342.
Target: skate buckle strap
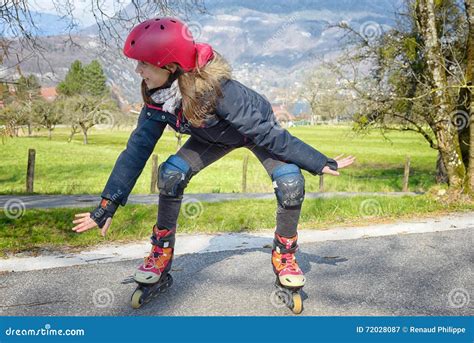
pixel 159 242
pixel 282 248
pixel 163 238
pixel 163 242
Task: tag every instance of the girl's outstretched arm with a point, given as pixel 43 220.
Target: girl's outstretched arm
pixel 132 160
pixel 341 163
pixel 126 171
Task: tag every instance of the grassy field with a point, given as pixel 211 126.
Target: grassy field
pixel 51 229
pixel 74 168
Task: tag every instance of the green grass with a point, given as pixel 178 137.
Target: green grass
pixel 51 228
pixel 74 168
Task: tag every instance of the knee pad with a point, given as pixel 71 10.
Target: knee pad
pixel 173 176
pixel 288 183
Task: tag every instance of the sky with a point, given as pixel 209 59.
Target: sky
pixel 82 8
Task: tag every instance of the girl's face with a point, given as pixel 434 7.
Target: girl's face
pixel 154 77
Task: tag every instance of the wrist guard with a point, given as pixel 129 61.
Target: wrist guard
pixel 104 211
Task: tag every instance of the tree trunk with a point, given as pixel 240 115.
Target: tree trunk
pixel 84 132
pixel 441 175
pixel 462 113
pixel 470 93
pixel 49 132
pixel 29 129
pixel 471 148
pixel 10 129
pixel 446 132
pixel 451 156
pixel 73 132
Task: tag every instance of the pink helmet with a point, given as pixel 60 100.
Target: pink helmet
pixel 160 41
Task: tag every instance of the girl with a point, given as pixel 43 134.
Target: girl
pixel 188 86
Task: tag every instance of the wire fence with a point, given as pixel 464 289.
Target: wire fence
pixel 398 180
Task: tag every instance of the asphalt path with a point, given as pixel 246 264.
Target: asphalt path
pixel 413 274
pixel 16 202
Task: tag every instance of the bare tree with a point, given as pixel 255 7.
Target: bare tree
pixel 13 117
pixel 47 115
pixel 446 133
pixel 84 112
pixel 470 83
pixel 409 77
pixel 324 94
pixel 19 36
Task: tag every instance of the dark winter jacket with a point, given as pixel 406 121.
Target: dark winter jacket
pixel 242 117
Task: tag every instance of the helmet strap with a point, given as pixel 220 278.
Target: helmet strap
pixel 171 78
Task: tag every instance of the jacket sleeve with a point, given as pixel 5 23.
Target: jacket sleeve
pixel 253 117
pixel 132 160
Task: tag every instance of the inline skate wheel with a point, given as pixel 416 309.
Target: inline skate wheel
pixel 297 303
pixel 137 298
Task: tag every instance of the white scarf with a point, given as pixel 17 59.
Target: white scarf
pixel 169 97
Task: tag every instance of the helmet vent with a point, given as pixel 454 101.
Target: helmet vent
pixel 132 42
pixel 173 21
pixel 162 27
pixel 146 27
pixel 157 19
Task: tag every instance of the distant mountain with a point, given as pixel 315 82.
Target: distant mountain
pixel 284 7
pixel 270 44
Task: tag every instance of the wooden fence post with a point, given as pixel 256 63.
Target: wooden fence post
pixel 406 174
pixel 30 172
pixel 178 142
pixel 154 173
pixel 244 173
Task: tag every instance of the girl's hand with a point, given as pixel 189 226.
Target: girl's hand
pixel 341 163
pixel 86 223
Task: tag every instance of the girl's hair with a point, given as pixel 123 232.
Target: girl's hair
pixel 144 91
pixel 200 89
